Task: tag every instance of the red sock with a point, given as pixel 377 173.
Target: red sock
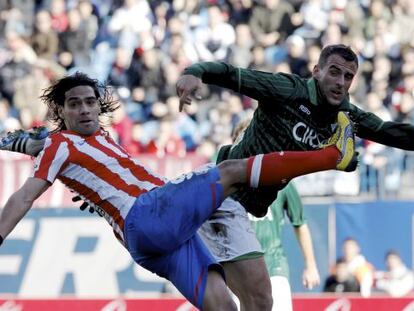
pixel 280 167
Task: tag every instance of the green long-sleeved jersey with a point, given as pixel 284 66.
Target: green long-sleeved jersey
pixel 269 228
pixel 291 115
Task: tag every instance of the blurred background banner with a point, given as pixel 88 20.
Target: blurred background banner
pixel 346 303
pixel 300 303
pixel 67 304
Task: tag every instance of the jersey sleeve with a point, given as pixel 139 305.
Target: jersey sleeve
pixel 259 85
pixel 294 206
pixel 371 127
pixel 52 160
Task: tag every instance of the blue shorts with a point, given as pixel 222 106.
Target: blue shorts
pixel 160 231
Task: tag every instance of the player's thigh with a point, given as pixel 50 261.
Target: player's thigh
pixel 217 295
pixel 164 218
pixel 187 268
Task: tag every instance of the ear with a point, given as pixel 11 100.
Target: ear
pixel 316 72
pixel 60 112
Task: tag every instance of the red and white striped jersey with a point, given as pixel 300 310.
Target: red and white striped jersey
pixel 99 170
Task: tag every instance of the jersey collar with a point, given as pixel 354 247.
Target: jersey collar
pixel 97 133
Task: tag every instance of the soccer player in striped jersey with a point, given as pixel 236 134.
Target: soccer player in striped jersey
pixel 155 219
pixel 293 114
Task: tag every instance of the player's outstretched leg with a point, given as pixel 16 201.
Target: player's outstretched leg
pixel 29 142
pixel 280 167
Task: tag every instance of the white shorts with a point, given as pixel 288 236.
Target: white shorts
pixel 281 293
pixel 228 233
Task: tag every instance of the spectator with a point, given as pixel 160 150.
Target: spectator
pixel 397 280
pixel 129 21
pixel 75 42
pixel 122 128
pixel 44 40
pixel 26 97
pixel 119 75
pixel 239 53
pixel 18 65
pixel 89 21
pixel 240 11
pixel 167 141
pixel 358 266
pixel 213 40
pixel 60 20
pixel 270 24
pixel 7 121
pixel 341 280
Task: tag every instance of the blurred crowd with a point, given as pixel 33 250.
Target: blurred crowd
pixel 353 273
pixel 140 47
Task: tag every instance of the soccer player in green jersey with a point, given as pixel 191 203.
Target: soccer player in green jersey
pixel 269 231
pixel 293 114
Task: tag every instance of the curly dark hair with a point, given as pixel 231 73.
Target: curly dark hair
pixel 54 96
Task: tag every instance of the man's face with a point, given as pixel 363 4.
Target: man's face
pixel 81 110
pixel 335 78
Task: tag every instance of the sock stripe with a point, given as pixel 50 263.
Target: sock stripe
pixel 13 147
pixel 256 170
pixel 19 145
pixel 24 144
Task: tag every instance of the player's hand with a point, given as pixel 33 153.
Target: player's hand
pixel 84 205
pixel 310 277
pixel 187 87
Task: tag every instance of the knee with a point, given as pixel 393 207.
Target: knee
pixel 234 171
pixel 220 303
pixel 257 300
pixel 257 297
pixel 264 300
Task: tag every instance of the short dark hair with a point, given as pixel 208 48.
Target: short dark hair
pixel 392 252
pixel 54 96
pixel 337 49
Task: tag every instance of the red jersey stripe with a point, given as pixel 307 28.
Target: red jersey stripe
pixel 94 197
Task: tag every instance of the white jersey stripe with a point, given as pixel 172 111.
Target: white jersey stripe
pixel 108 145
pixel 111 163
pixel 57 162
pixel 149 171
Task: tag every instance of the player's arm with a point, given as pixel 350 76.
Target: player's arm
pixel 19 203
pixel 310 276
pixel 259 85
pixel 393 134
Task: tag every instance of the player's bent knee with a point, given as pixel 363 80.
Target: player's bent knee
pixel 233 171
pixel 257 300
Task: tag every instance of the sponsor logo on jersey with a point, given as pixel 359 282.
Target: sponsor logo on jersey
pixel 303 133
pixel 304 109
